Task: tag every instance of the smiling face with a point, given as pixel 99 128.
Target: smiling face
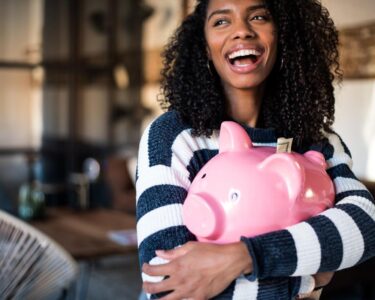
pixel 241 42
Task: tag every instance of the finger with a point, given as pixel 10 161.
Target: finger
pixel 158 287
pixel 177 296
pixel 173 253
pixel 315 295
pixel 156 270
pixel 172 296
pixel 323 279
pixel 167 254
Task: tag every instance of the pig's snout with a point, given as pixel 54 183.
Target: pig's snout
pixel 203 216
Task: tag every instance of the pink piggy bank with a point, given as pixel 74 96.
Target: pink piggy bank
pixel 247 191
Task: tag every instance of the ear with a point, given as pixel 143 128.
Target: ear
pixel 288 171
pixel 233 138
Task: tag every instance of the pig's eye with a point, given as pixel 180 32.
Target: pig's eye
pixel 204 175
pixel 234 195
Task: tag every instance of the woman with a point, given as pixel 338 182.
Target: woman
pixel 268 65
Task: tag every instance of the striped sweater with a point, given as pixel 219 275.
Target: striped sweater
pixel 341 237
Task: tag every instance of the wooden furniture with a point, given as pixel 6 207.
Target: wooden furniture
pixel 84 234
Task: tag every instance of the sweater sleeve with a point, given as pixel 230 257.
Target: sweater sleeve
pixel 162 181
pixel 338 238
pixel 161 188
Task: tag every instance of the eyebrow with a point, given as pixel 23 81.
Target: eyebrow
pixel 227 11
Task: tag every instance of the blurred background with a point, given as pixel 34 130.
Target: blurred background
pixel 79 80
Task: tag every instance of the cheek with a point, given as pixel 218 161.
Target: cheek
pixel 213 47
pixel 208 50
pixel 274 40
pixel 274 52
pixel 272 44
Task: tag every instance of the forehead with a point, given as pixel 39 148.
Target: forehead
pixel 232 4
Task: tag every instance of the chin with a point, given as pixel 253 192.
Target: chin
pixel 247 84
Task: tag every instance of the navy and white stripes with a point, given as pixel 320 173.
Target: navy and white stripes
pixel 338 238
pixel 341 237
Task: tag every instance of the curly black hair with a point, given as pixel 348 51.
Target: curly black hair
pixel 299 94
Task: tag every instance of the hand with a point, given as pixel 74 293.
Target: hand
pixel 198 270
pixel 322 279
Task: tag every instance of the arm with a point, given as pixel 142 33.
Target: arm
pixel 210 267
pixel 339 238
pixel 160 191
pixel 162 184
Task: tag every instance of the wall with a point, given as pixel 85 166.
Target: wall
pixel 20 27
pixel 348 13
pixel 355 99
pixel 355 122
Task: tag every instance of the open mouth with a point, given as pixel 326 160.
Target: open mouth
pixel 244 57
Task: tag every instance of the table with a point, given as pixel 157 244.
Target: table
pixel 84 234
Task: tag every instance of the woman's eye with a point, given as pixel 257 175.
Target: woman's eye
pixel 259 18
pixel 220 22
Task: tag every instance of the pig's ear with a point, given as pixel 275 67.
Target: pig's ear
pixel 289 172
pixel 233 137
pixel 316 157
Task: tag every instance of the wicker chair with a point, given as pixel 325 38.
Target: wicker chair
pixel 32 266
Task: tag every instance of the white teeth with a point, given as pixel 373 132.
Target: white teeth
pixel 244 52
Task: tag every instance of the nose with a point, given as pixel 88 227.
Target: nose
pixel 243 30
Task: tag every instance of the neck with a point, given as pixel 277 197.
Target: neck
pixel 244 105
